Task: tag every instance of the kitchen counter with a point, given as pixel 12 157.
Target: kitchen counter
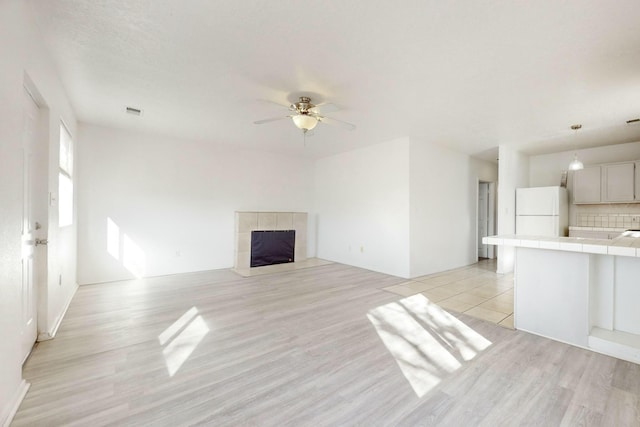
pixel 621 246
pixel 583 292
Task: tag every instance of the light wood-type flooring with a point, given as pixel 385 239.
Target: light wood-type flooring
pixel 322 346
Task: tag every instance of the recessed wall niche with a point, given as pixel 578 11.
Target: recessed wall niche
pixel 246 222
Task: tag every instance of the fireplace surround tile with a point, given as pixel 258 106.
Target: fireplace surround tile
pixel 300 221
pixel 300 252
pixel 284 221
pixel 244 242
pixel 244 258
pixel 267 220
pixel 246 222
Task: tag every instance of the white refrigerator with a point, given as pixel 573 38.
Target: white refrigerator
pixel 542 211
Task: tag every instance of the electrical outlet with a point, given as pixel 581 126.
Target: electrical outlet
pixel 362 249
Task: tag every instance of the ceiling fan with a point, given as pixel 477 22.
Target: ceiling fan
pixel 306 115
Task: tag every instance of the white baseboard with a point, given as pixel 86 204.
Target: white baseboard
pixel 50 334
pixel 13 406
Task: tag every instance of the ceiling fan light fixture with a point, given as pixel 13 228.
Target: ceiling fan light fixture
pixel 305 116
pixel 305 121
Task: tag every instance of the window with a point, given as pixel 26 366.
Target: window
pixel 65 179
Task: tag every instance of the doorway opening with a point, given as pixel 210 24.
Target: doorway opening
pixel 486 218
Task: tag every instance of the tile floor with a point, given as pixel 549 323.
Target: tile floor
pixel 476 290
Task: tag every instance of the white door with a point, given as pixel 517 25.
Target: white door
pixel 32 207
pixel 483 218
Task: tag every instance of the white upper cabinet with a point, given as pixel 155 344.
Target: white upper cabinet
pixel 618 181
pixel 587 185
pixel 607 183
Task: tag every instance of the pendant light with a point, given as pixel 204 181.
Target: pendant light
pixel 575 163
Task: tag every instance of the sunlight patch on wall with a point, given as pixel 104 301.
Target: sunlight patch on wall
pixel 125 249
pixel 183 336
pixel 113 239
pixel 133 258
pixel 427 342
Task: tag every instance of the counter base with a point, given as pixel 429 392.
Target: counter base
pixel 622 345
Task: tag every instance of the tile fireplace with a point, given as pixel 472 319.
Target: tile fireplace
pixel 247 222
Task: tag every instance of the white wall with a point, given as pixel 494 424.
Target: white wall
pixel 410 205
pixel 175 201
pixel 22 51
pixel 444 197
pixel 513 172
pixel 362 201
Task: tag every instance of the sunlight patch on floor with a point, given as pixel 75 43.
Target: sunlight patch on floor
pixel 183 336
pixel 427 342
pixel 176 326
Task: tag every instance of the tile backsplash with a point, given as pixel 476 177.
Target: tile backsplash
pixel 613 220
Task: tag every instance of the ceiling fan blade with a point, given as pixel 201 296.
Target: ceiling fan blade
pixel 336 122
pixel 325 108
pixel 285 106
pixel 272 119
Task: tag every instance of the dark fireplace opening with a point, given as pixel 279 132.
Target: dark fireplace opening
pixel 272 247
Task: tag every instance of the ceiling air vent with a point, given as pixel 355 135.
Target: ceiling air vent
pixel 134 111
pixel 633 121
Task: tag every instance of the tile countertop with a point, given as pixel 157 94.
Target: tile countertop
pixel 621 246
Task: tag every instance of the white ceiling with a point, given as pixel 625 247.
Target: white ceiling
pixel 466 74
